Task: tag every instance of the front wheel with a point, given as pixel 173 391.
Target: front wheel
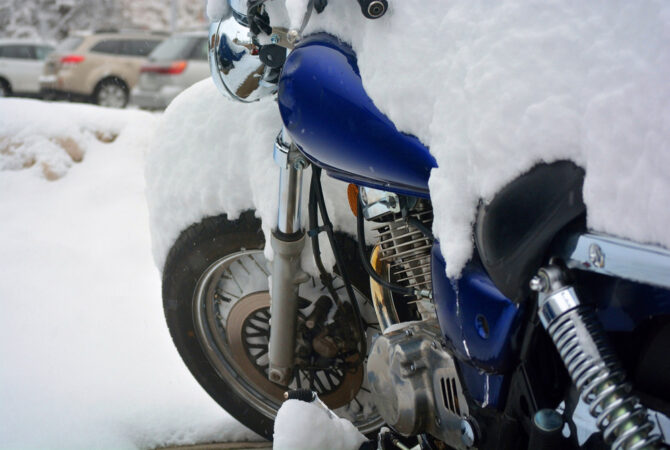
pixel 217 306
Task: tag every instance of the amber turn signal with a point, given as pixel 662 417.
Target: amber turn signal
pixel 352 195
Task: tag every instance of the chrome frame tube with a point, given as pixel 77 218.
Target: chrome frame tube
pixel 290 192
pixel 286 279
pixel 291 164
pixel 616 257
pixel 288 240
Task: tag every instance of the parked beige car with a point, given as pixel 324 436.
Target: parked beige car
pixel 101 67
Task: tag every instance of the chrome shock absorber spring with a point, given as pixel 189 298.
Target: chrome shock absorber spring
pixel 593 367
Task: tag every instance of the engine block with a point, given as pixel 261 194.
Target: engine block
pixel 415 384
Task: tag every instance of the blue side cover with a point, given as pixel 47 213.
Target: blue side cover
pixel 330 116
pixel 479 324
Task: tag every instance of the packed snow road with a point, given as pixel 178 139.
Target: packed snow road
pixel 87 361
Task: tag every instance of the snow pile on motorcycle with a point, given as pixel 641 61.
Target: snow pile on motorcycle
pixel 301 425
pixel 492 89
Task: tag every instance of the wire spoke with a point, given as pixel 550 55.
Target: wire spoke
pixel 258 355
pixel 260 266
pixel 232 277
pixel 319 383
pixel 257 345
pixel 243 266
pixel 259 334
pixel 329 377
pixel 256 327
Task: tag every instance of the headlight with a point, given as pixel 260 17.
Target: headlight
pixel 235 65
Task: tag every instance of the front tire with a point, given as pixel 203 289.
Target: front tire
pixel 216 302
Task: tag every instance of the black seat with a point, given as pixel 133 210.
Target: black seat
pixel 513 231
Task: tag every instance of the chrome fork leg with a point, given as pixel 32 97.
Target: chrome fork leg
pixel 287 240
pixel 593 367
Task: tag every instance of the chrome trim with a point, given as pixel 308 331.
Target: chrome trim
pixel 281 150
pixel 557 303
pixel 243 76
pixel 618 257
pixel 554 297
pixel 214 70
pixel 291 166
pixel 376 203
pixel 593 367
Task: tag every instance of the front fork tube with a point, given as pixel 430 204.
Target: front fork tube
pixel 287 240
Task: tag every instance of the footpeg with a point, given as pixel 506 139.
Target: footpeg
pixel 304 395
pixel 386 440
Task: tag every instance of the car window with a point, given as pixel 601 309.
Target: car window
pixel 112 47
pixel 200 50
pixel 17 52
pixel 42 51
pixel 70 43
pixel 176 47
pixel 138 47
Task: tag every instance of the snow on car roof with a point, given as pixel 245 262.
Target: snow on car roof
pixel 15 41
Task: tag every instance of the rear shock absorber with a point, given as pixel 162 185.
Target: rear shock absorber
pixel 593 367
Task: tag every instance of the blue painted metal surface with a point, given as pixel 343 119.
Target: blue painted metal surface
pixel 329 115
pixel 487 389
pixel 478 321
pixel 623 305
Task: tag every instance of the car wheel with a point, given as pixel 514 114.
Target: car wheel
pixel 216 302
pixel 112 93
pixel 5 91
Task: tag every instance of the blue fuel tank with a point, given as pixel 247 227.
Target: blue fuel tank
pixel 330 116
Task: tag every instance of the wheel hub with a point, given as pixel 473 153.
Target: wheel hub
pixel 248 331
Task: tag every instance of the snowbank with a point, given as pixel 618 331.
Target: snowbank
pixel 49 138
pixel 493 88
pixel 87 360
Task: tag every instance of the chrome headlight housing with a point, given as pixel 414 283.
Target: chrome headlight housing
pixel 235 65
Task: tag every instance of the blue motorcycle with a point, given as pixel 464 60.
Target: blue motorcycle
pixel 548 321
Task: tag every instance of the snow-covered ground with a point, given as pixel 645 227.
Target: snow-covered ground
pixel 87 361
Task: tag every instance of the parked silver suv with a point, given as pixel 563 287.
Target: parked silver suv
pixel 172 66
pixel 21 64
